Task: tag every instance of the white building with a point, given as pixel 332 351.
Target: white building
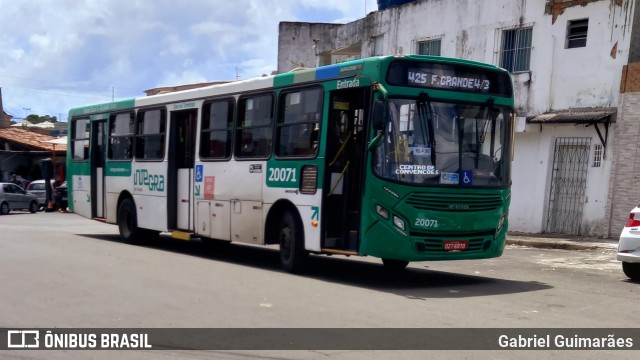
pixel 576 72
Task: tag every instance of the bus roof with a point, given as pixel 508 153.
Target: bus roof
pixel 293 77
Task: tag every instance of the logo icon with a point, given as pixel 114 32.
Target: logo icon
pixel 199 172
pixel 23 339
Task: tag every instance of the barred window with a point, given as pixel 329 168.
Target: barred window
pixel 298 125
pixel 121 136
pixel 151 134
pixel 429 47
pixel 597 155
pixel 80 139
pixel 217 129
pixel 515 53
pixel 255 126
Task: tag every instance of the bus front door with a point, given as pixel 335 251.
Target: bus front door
pixel 344 163
pixel 98 156
pixel 180 169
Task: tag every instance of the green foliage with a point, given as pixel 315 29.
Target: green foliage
pixel 36 119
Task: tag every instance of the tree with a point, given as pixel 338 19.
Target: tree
pixel 37 119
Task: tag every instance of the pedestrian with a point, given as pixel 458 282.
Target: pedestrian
pixel 13 179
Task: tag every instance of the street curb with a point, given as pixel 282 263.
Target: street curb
pixel 561 244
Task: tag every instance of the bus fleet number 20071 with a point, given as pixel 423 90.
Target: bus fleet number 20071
pixel 282 174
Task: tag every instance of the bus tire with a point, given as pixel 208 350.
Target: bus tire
pixel 293 256
pixel 394 265
pixel 128 222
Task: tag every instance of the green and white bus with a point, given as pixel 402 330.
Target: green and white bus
pixel 404 158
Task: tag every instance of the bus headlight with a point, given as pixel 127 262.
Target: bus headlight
pixel 384 213
pixel 501 223
pixel 399 223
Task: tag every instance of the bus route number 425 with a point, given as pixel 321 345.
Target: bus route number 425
pixel 282 174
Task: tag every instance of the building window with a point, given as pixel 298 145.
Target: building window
pixel 121 137
pixel 429 47
pixel 150 137
pixel 377 45
pixel 217 130
pixel 597 155
pixel 255 126
pixel 577 33
pixel 515 53
pixel 300 114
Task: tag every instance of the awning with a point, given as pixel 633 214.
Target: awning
pixel 586 116
pixel 575 116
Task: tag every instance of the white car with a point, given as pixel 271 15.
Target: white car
pixel 629 246
pixel 13 196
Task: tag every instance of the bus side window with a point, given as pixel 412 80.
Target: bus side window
pixel 297 128
pixel 254 126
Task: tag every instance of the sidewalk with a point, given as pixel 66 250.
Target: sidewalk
pixel 564 242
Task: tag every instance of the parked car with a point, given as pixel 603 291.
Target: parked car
pixel 629 246
pixel 13 197
pixel 61 196
pixel 37 188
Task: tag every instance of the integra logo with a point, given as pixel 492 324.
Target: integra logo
pixel 458 206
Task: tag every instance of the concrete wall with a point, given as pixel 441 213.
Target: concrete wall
pixel 624 191
pixel 532 178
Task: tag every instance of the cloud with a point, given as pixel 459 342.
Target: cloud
pixel 58 54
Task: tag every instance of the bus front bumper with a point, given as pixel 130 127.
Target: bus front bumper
pixel 388 243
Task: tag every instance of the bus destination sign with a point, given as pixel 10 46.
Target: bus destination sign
pixel 417 77
pixel 453 77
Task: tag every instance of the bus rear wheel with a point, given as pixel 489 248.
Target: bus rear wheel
pixel 293 256
pixel 394 265
pixel 128 222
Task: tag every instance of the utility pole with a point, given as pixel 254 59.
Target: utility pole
pixel 25 112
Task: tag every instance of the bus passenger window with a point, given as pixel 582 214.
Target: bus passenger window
pixel 254 126
pixel 297 130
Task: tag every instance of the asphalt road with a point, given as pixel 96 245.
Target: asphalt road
pixel 60 270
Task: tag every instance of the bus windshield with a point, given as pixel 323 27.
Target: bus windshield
pixel 445 144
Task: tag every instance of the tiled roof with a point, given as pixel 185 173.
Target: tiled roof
pixel 29 139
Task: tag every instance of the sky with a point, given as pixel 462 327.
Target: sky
pixel 59 54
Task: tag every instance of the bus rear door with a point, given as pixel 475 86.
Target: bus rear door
pixel 98 156
pixel 180 169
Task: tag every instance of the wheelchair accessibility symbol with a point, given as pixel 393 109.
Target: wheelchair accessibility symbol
pixel 199 172
pixel 467 177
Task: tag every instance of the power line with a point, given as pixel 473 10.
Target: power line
pixel 65 84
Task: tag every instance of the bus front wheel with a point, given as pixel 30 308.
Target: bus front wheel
pixel 128 221
pixel 293 256
pixel 394 265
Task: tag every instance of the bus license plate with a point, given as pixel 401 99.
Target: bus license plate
pixel 455 245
